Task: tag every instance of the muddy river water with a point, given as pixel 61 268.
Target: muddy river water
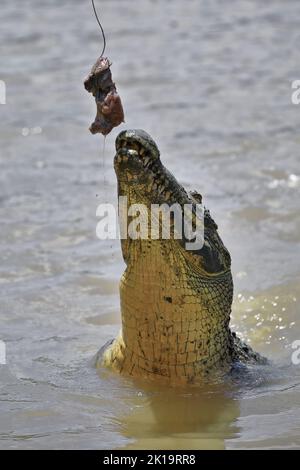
pixel 211 82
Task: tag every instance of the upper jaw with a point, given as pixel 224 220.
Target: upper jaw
pixel 137 161
pixel 139 140
pixel 136 153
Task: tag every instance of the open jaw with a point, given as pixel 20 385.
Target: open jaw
pixel 138 145
pixel 139 169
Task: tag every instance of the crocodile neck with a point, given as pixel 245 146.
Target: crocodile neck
pixel 168 331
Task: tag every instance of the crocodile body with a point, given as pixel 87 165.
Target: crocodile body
pixel 175 302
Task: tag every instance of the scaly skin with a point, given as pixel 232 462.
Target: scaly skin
pixel 175 303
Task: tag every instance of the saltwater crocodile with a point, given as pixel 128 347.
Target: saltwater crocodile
pixel 175 302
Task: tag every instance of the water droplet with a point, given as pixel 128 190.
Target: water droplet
pixel 293 181
pixel 39 164
pixel 241 274
pixel 36 130
pixel 25 131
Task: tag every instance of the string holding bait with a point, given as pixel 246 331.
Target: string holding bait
pixel 103 165
pixel 100 84
pixel 101 28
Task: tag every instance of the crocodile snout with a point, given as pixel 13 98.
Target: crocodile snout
pixel 139 144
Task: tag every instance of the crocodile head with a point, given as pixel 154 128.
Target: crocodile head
pixel 175 301
pixel 143 179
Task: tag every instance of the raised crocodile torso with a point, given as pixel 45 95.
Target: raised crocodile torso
pixel 175 303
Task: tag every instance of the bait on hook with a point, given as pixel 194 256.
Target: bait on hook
pixel 99 82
